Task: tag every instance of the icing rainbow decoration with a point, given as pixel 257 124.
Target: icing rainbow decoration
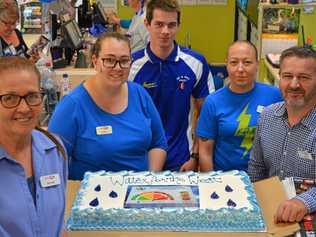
pixel 152 196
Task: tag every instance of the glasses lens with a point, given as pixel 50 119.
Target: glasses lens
pixel 10 101
pixel 125 63
pixel 34 98
pixel 109 62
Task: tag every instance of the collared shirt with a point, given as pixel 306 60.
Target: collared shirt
pixel 19 216
pixel 284 151
pixel 171 83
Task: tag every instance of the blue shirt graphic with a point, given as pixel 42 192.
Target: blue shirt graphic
pixel 97 140
pixel 171 83
pixel 230 120
pixel 19 216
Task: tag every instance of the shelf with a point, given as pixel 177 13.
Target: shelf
pixel 286 5
pixel 31 27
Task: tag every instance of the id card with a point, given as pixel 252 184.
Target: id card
pixel 50 180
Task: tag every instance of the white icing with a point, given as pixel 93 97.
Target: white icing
pixel 207 184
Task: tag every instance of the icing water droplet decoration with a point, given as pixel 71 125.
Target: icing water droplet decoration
pixel 228 189
pixel 214 195
pixel 113 194
pixel 94 202
pixel 231 203
pixel 97 188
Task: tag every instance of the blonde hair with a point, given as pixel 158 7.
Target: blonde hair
pixel 9 10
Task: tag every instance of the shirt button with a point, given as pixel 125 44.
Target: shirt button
pixel 289 133
pixel 284 153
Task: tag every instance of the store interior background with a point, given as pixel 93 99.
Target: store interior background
pixel 209 29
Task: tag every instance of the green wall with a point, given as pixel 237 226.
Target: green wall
pixel 211 28
pixel 309 21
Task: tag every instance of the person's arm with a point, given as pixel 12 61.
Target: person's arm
pixel 296 208
pixel 206 147
pixel 158 147
pixel 192 163
pixel 157 157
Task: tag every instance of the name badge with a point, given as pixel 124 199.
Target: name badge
pixel 49 180
pixel 260 108
pixel 304 155
pixel 103 130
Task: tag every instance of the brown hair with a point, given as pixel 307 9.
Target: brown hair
pixel 18 63
pixel 114 35
pixel 60 148
pixel 298 51
pixel 165 5
pixel 9 10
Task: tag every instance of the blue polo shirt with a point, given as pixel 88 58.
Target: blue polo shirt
pixel 19 216
pixel 171 83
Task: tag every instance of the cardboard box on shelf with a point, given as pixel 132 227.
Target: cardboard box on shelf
pixel 269 193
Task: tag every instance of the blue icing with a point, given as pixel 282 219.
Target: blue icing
pixel 231 203
pixel 94 202
pixel 113 194
pixel 228 189
pixel 214 195
pixel 97 188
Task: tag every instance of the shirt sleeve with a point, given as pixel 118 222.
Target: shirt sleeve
pixel 256 166
pixel 205 84
pixel 309 199
pixel 207 125
pixel 64 123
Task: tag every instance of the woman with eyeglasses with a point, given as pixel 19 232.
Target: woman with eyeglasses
pixel 11 40
pixel 109 123
pixel 33 165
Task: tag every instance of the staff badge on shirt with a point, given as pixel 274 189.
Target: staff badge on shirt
pixel 260 109
pixel 50 180
pixel 104 130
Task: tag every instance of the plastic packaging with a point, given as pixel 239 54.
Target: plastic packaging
pixel 65 86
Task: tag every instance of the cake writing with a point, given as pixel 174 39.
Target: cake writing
pixel 153 179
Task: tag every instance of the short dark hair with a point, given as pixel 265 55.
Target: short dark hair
pixel 298 51
pixel 108 35
pixel 244 42
pixel 165 5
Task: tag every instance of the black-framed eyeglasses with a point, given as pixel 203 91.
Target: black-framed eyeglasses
pixel 111 62
pixel 10 101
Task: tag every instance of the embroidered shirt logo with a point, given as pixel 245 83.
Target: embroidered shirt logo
pixel 148 85
pixel 182 80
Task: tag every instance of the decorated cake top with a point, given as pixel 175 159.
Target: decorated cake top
pixel 213 190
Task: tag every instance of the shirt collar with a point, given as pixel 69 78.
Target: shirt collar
pixel 173 56
pixel 40 142
pixel 308 121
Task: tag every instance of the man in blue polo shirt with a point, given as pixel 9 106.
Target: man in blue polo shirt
pixel 172 75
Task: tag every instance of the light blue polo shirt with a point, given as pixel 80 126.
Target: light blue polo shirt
pixel 18 215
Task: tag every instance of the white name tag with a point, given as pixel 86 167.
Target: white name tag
pixel 103 130
pixel 304 155
pixel 50 180
pixel 260 108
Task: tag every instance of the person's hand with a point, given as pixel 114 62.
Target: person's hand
pixel 290 211
pixel 191 164
pixel 113 18
pixel 34 57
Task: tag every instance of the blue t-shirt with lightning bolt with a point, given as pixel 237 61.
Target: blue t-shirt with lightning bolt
pixel 230 120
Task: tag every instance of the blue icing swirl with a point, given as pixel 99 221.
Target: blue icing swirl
pixel 214 195
pixel 228 189
pixel 113 194
pixel 231 203
pixel 97 188
pixel 94 202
